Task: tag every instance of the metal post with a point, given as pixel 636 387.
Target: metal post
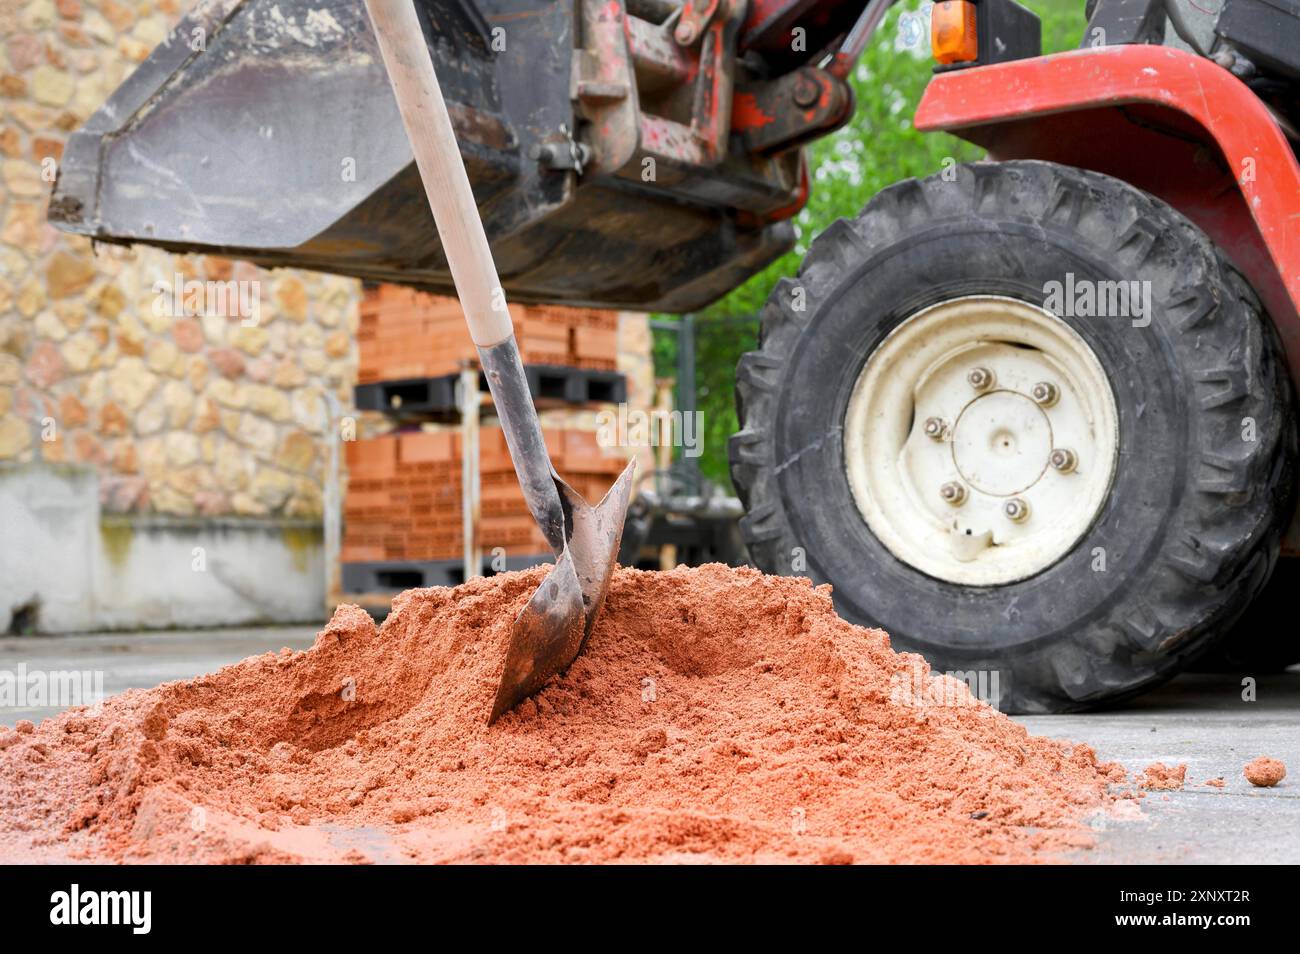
pixel 333 504
pixel 686 397
pixel 470 493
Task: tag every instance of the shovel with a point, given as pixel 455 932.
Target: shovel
pixel 552 629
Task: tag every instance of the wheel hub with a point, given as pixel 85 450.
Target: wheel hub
pixel 1001 443
pixel 980 440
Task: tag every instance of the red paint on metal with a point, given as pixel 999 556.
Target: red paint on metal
pixel 694 16
pixel 1173 124
pixel 777 115
pixel 654 50
pixel 747 113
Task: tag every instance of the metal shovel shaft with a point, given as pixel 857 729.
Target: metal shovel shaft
pixel 551 630
pixel 433 141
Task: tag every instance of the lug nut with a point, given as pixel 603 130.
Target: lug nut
pixel 1016 510
pixel 935 427
pixel 1064 460
pixel 953 493
pixel 1045 393
pixel 981 379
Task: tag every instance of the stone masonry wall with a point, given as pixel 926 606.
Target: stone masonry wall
pixel 189 414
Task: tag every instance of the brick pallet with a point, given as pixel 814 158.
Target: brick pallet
pixel 549 384
pixel 382 576
pixel 405 334
pixel 402 514
pixel 404 494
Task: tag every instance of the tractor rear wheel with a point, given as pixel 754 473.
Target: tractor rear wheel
pixel 1028 421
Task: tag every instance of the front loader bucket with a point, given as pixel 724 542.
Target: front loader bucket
pixel 266 130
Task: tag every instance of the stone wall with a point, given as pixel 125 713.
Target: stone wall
pixel 189 413
pixel 199 436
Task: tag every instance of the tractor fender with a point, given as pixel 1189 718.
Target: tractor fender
pixel 1173 124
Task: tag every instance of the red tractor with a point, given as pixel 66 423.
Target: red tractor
pixel 1035 415
pixel 1032 416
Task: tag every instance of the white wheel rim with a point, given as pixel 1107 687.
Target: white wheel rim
pixel 1013 507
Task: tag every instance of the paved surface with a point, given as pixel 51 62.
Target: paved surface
pixel 1201 720
pixel 139 660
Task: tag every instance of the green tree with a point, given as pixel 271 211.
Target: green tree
pixel 877 147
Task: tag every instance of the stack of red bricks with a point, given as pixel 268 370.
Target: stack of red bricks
pixel 404 493
pixel 409 334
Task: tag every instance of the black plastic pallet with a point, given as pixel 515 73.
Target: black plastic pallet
pixel 438 395
pixel 388 575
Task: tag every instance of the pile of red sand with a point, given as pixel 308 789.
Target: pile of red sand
pixel 716 715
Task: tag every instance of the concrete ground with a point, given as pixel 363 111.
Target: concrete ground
pixel 1201 720
pixel 140 660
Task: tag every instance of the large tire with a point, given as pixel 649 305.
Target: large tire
pixel 1191 524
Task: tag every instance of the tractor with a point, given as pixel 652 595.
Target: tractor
pixel 1032 415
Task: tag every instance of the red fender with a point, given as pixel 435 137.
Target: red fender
pixel 1175 125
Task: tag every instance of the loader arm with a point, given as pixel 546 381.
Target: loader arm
pixel 608 164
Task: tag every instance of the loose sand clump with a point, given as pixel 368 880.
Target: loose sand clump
pixel 1160 777
pixel 1264 772
pixel 716 715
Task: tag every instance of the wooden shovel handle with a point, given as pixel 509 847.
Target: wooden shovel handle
pixel 433 140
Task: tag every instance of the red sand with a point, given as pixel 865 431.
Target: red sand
pixel 1264 772
pixel 1160 777
pixel 716 715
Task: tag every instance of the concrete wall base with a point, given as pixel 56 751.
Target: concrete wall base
pixel 65 567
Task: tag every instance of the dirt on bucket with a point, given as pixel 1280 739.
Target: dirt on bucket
pixel 716 715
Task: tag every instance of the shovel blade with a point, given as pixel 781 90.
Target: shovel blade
pixel 546 636
pixel 594 539
pixel 551 630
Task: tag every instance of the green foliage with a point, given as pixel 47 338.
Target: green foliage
pixel 877 147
